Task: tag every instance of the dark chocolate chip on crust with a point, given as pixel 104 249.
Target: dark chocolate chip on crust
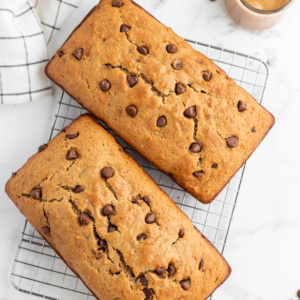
pixel 78 53
pixel 36 193
pixel 185 284
pixel 181 232
pixel 171 48
pixel 232 141
pixel 201 264
pixel 198 174
pixel 117 3
pixel 241 106
pixel 42 147
pixel 131 110
pixel 161 121
pixel 60 53
pixel 148 293
pixel 206 75
pixel 190 112
pixel 171 269
pixel 177 64
pixel 253 129
pixel 46 231
pixel 72 154
pixel 142 236
pixel 105 85
pixel 112 228
pixel 143 50
pixel 78 189
pixel 124 28
pixel 143 281
pixel 108 210
pixel 132 80
pixel 107 172
pixel 160 271
pixel 180 88
pixel 195 147
pixel 72 136
pixel 150 218
pixel 84 219
pixel 214 166
pixel 146 200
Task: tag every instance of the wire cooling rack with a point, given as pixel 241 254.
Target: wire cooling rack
pixel 38 271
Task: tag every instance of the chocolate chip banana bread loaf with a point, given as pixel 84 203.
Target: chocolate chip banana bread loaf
pixel 168 101
pixel 109 221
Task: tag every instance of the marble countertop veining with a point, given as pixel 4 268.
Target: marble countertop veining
pixel 264 243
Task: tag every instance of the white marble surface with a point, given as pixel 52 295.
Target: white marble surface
pixel 264 243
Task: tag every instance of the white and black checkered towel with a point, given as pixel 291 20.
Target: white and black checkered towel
pixel 26 28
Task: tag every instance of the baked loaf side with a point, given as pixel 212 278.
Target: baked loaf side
pixel 109 221
pixel 168 101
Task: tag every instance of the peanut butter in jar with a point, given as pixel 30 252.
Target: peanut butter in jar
pixel 257 14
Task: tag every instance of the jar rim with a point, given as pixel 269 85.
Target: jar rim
pixel 262 11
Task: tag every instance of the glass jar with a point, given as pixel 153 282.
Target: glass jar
pixel 254 18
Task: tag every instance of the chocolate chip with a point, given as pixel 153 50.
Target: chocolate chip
pixel 42 147
pixel 146 200
pixel 136 198
pixel 60 53
pixel 201 264
pixel 171 48
pixel 177 64
pixel 108 210
pixel 72 154
pixel 148 293
pixel 142 280
pixel 150 218
pixel 214 166
pixel 241 106
pixel 84 219
pixel 171 269
pixel 107 172
pixel 142 236
pixel 78 53
pixel 78 189
pixel 206 75
pixel 185 284
pixel 160 271
pixel 102 243
pixel 117 3
pixel 112 228
pixel 132 80
pixel 298 293
pixel 195 148
pixel 124 28
pixel 105 85
pixel 181 232
pixel 232 141
pixel 143 50
pixel 190 112
pixel 46 231
pixel 253 129
pixel 131 110
pixel 179 88
pixel 72 136
pixel 161 121
pixel 198 174
pixel 36 193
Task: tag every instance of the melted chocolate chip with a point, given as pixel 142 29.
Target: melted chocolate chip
pixel 124 28
pixel 161 121
pixel 131 110
pixel 102 243
pixel 107 172
pixel 36 193
pixel 150 218
pixel 60 53
pixel 148 293
pixel 198 174
pixel 142 280
pixel 185 284
pixel 195 148
pixel 42 147
pixel 132 80
pixel 177 64
pixel 253 129
pixel 171 48
pixel 146 200
pixel 72 154
pixel 232 141
pixel 117 3
pixel 142 236
pixel 171 269
pixel 181 232
pixel 179 88
pixel 46 231
pixel 201 264
pixel 78 189
pixel 78 53
pixel 214 166
pixel 84 219
pixel 190 112
pixel 242 106
pixel 105 85
pixel 108 210
pixel 112 228
pixel 72 136
pixel 160 271
pixel 206 75
pixel 143 50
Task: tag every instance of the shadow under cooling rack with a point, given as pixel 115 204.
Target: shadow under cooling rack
pixel 37 270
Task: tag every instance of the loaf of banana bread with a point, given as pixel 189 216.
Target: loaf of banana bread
pixel 109 221
pixel 168 101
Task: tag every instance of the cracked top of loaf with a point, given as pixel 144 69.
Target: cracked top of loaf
pixel 109 221
pixel 168 101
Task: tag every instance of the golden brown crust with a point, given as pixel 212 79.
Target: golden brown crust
pixel 113 55
pixel 109 263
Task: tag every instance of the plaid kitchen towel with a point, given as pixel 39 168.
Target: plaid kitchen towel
pixel 26 28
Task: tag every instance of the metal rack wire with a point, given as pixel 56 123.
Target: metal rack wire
pixel 38 271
